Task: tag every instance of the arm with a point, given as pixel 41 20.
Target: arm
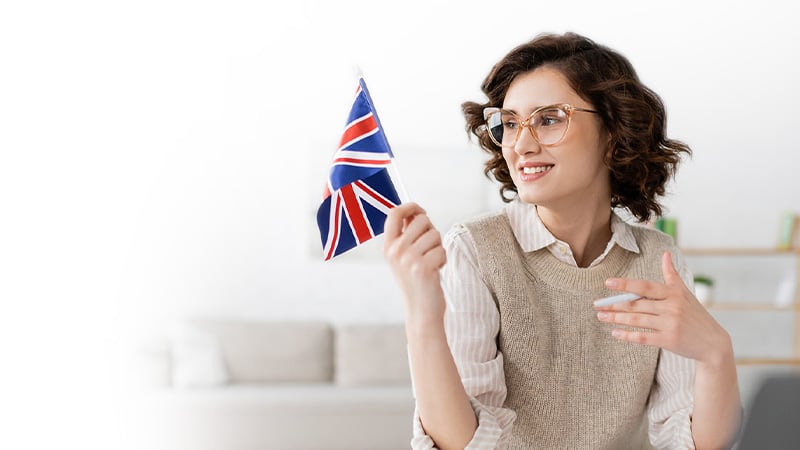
pixel 669 409
pixel 415 254
pixel 472 324
pixel 680 324
pixel 717 407
pixel 442 403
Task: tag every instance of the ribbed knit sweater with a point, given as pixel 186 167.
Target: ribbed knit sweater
pixel 571 384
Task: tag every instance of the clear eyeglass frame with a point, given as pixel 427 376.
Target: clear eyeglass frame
pixel 528 123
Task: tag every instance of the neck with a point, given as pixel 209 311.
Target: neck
pixel 586 230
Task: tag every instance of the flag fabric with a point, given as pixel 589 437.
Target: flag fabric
pixel 359 192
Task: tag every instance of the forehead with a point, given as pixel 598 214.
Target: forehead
pixel 540 87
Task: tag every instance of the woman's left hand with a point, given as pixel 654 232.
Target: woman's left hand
pixel 672 316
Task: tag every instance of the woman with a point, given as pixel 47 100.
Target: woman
pixel 506 347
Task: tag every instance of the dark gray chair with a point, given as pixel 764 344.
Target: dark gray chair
pixel 773 419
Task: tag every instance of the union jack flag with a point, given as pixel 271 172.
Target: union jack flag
pixel 359 192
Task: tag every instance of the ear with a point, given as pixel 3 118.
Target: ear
pixel 610 146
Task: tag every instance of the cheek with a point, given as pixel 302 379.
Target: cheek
pixel 510 158
pixel 507 153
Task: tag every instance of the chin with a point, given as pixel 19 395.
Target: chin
pixel 530 197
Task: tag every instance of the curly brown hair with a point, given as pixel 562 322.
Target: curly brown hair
pixel 642 159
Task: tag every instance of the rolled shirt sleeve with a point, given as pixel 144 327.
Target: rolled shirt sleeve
pixel 471 325
pixel 672 397
pixel 671 402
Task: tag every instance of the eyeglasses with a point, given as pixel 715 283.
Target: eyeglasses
pixel 548 125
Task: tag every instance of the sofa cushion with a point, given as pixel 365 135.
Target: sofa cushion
pixel 197 360
pixel 275 416
pixel 370 354
pixel 274 351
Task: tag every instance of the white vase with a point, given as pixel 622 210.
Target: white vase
pixel 703 293
pixel 784 296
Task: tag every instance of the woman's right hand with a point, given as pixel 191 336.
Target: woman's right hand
pixel 413 248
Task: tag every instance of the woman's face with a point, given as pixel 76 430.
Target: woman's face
pixel 570 173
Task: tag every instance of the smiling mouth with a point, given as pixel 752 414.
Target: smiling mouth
pixel 537 169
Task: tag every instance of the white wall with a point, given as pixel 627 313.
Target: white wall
pixel 164 158
pixel 224 207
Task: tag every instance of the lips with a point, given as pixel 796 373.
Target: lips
pixel 536 169
pixel 532 171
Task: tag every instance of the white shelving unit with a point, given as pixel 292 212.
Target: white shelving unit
pixel 755 305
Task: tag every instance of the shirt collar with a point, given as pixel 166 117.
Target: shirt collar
pixel 532 234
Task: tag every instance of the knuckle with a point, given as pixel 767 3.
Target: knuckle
pixel 390 251
pixel 442 256
pixel 435 258
pixel 404 260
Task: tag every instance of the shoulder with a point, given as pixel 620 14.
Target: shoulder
pixel 485 218
pixel 465 240
pixel 466 228
pixel 654 243
pixel 650 239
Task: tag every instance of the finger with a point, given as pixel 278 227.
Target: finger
pixel 436 257
pixel 415 227
pixel 638 320
pixel 671 276
pixel 429 240
pixel 396 219
pixel 643 305
pixel 647 289
pixel 637 337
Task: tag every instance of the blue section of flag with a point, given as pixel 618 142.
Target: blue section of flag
pixel 359 168
pixel 356 213
pixel 368 97
pixel 363 149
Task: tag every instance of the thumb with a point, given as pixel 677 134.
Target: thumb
pixel 671 276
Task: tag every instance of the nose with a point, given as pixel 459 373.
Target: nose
pixel 526 142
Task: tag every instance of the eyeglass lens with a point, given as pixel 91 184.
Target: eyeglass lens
pixel 547 125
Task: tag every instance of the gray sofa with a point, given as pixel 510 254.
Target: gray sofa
pixel 247 385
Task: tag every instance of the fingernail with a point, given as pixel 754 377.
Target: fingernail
pixel 616 332
pixel 602 315
pixel 612 283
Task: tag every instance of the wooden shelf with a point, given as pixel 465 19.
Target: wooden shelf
pixel 744 251
pixel 768 361
pixel 748 307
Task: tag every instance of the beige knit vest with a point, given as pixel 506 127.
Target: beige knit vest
pixel 571 384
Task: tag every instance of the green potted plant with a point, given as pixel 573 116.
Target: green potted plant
pixel 703 288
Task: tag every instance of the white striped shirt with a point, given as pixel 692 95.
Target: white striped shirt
pixel 472 323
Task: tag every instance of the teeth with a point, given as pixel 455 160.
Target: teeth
pixel 537 169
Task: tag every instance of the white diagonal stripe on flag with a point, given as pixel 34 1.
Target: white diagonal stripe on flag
pixel 372 197
pixel 360 136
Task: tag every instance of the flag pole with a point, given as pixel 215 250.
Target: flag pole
pixel 394 174
pixel 401 189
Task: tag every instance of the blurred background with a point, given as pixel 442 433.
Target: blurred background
pixel 165 159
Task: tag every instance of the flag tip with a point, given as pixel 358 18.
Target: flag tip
pixel 357 71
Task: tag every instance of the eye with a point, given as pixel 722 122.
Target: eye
pixel 550 118
pixel 509 121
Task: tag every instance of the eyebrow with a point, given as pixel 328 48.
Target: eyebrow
pixel 534 109
pixel 517 113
